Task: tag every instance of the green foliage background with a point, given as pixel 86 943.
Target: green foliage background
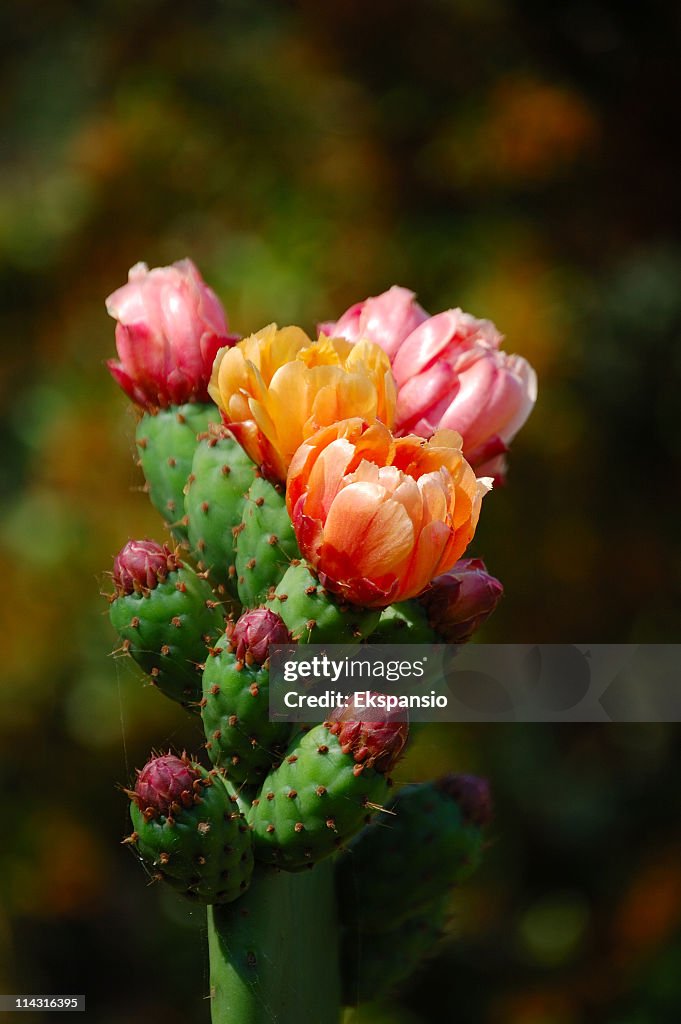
pixel 516 158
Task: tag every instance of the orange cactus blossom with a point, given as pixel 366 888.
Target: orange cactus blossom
pixel 277 387
pixel 378 517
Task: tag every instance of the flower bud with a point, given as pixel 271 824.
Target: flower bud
pixel 163 781
pixel 472 794
pixel 142 565
pixel 373 743
pixel 458 602
pixel 255 631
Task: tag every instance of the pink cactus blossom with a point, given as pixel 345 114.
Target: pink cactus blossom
pixel 170 327
pixel 450 373
pixel 387 319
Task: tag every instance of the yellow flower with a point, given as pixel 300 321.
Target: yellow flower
pixel 277 387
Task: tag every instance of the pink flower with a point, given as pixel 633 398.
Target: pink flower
pixel 451 374
pixel 170 327
pixel 459 601
pixel 387 319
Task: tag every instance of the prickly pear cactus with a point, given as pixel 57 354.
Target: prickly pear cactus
pixel 235 707
pixel 166 617
pixel 189 831
pixel 437 825
pixel 221 474
pixel 314 615
pixel 404 623
pixel 166 441
pixel 265 544
pixel 374 965
pixel 330 782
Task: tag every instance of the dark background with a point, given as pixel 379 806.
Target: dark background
pixel 518 159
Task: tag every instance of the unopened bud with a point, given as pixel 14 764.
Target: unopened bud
pixel 255 631
pixel 373 743
pixel 163 781
pixel 141 565
pixel 458 602
pixel 472 794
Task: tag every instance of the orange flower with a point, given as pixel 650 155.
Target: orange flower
pixel 277 387
pixel 379 517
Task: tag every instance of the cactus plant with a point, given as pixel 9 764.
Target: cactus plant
pixel 379 518
pixel 166 442
pixel 265 543
pixel 314 615
pixel 330 782
pixel 188 829
pixel 235 704
pixel 166 617
pixel 215 494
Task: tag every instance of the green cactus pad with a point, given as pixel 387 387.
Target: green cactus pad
pixel 235 712
pixel 314 615
pixel 204 850
pixel 404 623
pixel 393 870
pixel 315 801
pixel 221 474
pixel 373 965
pixel 167 631
pixel 266 542
pixel 166 442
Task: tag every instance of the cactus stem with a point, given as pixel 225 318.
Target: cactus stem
pixel 249 976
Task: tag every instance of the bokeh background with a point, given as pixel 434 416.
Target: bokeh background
pixel 520 159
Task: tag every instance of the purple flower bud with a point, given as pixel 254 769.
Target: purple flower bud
pixel 472 794
pixel 163 781
pixel 459 601
pixel 372 743
pixel 142 565
pixel 255 631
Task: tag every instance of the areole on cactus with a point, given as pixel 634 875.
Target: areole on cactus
pixel 304 518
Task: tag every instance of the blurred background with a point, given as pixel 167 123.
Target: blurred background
pixel 516 158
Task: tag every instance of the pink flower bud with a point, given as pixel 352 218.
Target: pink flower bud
pixel 372 743
pixel 459 601
pixel 255 631
pixel 164 781
pixel 473 796
pixel 142 565
pixel 387 319
pixel 170 328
